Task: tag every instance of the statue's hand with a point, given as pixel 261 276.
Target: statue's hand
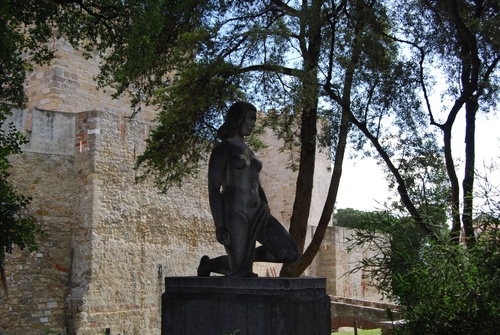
pixel 223 236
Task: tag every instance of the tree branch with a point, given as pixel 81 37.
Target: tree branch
pixel 273 68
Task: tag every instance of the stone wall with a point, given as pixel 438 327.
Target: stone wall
pixel 68 85
pixel 110 242
pixel 38 282
pixel 278 180
pixel 138 236
pixel 335 263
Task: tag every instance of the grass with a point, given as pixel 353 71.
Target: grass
pixel 377 331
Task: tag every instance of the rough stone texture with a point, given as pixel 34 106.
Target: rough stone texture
pixel 106 234
pixel 137 235
pixel 280 179
pixel 335 262
pixel 38 282
pixel 220 305
pixel 49 132
pixel 68 85
pixel 110 241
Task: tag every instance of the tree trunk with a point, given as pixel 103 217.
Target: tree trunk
pixel 468 183
pixel 454 185
pixel 297 268
pixel 402 190
pixel 471 64
pixel 305 178
pixel 310 26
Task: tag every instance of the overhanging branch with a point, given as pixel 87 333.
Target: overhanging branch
pixel 273 68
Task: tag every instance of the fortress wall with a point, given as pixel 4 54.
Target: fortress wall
pixel 110 241
pixel 38 282
pixel 277 178
pixel 139 236
pixel 279 181
pixel 335 262
pixel 68 84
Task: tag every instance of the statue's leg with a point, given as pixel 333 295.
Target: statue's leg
pixel 242 247
pixel 277 244
pixel 217 265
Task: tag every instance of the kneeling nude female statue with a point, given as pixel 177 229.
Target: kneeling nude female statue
pixel 238 203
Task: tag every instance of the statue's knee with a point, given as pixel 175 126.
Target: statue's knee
pixel 292 255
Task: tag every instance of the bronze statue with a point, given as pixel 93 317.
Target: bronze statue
pixel 238 203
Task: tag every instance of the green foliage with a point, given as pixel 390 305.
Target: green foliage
pixel 16 227
pixel 305 62
pixel 50 331
pixel 186 131
pixel 449 290
pixel 456 38
pixel 25 28
pixel 360 332
pixel 442 288
pixel 353 218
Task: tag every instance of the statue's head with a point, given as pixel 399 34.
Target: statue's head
pixel 235 118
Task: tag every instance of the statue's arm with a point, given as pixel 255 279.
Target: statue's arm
pixel 216 168
pixel 262 194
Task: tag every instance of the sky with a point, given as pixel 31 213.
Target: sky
pixel 363 185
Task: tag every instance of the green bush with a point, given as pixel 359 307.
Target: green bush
pixel 441 287
pixel 451 290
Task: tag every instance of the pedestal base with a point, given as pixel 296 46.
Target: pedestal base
pixel 245 306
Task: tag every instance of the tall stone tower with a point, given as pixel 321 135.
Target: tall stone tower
pixel 110 241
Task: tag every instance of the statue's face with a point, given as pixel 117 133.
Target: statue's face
pixel 249 125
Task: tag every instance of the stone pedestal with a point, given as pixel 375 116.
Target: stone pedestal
pixel 245 306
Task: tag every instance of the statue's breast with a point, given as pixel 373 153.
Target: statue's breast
pixel 245 160
pixel 239 161
pixel 257 164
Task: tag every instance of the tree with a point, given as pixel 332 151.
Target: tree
pixel 458 37
pixel 442 288
pixel 197 56
pixel 340 62
pixel 361 220
pixel 349 57
pixel 16 226
pixel 244 49
pixel 379 98
pixel 445 287
pixel 348 217
pixel 455 37
pixel 25 28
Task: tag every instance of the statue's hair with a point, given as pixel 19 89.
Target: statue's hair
pixel 235 118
